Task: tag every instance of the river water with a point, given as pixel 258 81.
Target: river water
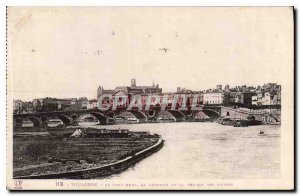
pixel 206 150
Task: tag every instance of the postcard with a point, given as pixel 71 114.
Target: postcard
pixel 150 98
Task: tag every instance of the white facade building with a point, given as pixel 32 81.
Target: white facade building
pixel 213 98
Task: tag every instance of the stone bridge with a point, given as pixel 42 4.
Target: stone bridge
pixel 121 115
pixel 135 116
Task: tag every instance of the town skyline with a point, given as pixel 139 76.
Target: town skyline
pixel 93 94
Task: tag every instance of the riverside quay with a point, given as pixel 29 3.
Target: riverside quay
pixel 148 104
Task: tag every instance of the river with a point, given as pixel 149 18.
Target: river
pixel 206 150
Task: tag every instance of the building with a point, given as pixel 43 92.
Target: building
pixel 17 106
pixel 213 97
pixel 101 91
pixel 276 100
pixel 200 98
pixel 226 101
pixel 78 102
pixel 67 104
pixel 183 90
pixel 270 98
pixel 238 98
pixel 92 104
pixel 37 103
pixel 49 104
pixel 133 89
pixel 266 100
pixel 246 98
pixel 232 96
pixel 226 88
pixel 270 87
pixel 28 107
pixel 260 94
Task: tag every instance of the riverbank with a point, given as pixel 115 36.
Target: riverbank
pixel 41 155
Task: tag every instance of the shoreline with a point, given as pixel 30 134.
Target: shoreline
pixel 22 129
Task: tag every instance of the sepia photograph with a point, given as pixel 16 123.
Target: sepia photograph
pixel 150 98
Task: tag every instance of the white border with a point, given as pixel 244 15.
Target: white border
pixel 5 3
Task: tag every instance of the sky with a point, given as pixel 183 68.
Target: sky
pixel 69 51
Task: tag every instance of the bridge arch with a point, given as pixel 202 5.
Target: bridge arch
pixel 35 120
pixel 101 117
pixel 151 113
pixel 200 116
pixel 65 119
pixel 87 116
pixel 139 114
pixel 170 116
pixel 212 113
pixel 132 115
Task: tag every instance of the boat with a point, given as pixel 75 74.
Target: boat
pixel 261 133
pixel 246 123
pixel 240 123
pixel 226 121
